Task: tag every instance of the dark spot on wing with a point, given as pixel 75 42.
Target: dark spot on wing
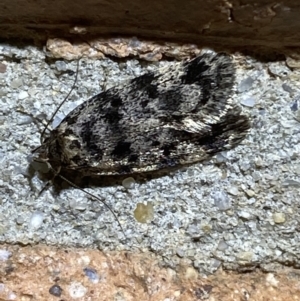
pixel 195 75
pixel 152 92
pixel 89 138
pixel 124 169
pixel 143 80
pixel 144 103
pixel 220 77
pixel 112 115
pixel 133 158
pixel 167 149
pixel 116 101
pixel 155 143
pixel 194 71
pixel 146 83
pixel 216 141
pixel 121 150
pixel 171 99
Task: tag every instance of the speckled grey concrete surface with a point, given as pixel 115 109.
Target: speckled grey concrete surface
pixel 240 209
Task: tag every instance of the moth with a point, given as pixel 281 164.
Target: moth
pixel 174 116
pixel 167 118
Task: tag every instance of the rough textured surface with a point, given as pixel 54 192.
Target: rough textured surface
pixel 206 22
pixel 240 210
pixel 45 273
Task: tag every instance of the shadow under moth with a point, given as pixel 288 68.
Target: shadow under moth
pixel 174 116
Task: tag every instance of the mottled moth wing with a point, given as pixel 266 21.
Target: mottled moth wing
pixel 162 119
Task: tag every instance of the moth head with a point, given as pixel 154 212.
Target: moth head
pixel 39 159
pixel 40 164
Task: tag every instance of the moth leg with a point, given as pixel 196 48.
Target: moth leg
pixel 44 188
pixel 56 174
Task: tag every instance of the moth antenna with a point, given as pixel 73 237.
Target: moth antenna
pixel 51 119
pixel 44 188
pixel 95 197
